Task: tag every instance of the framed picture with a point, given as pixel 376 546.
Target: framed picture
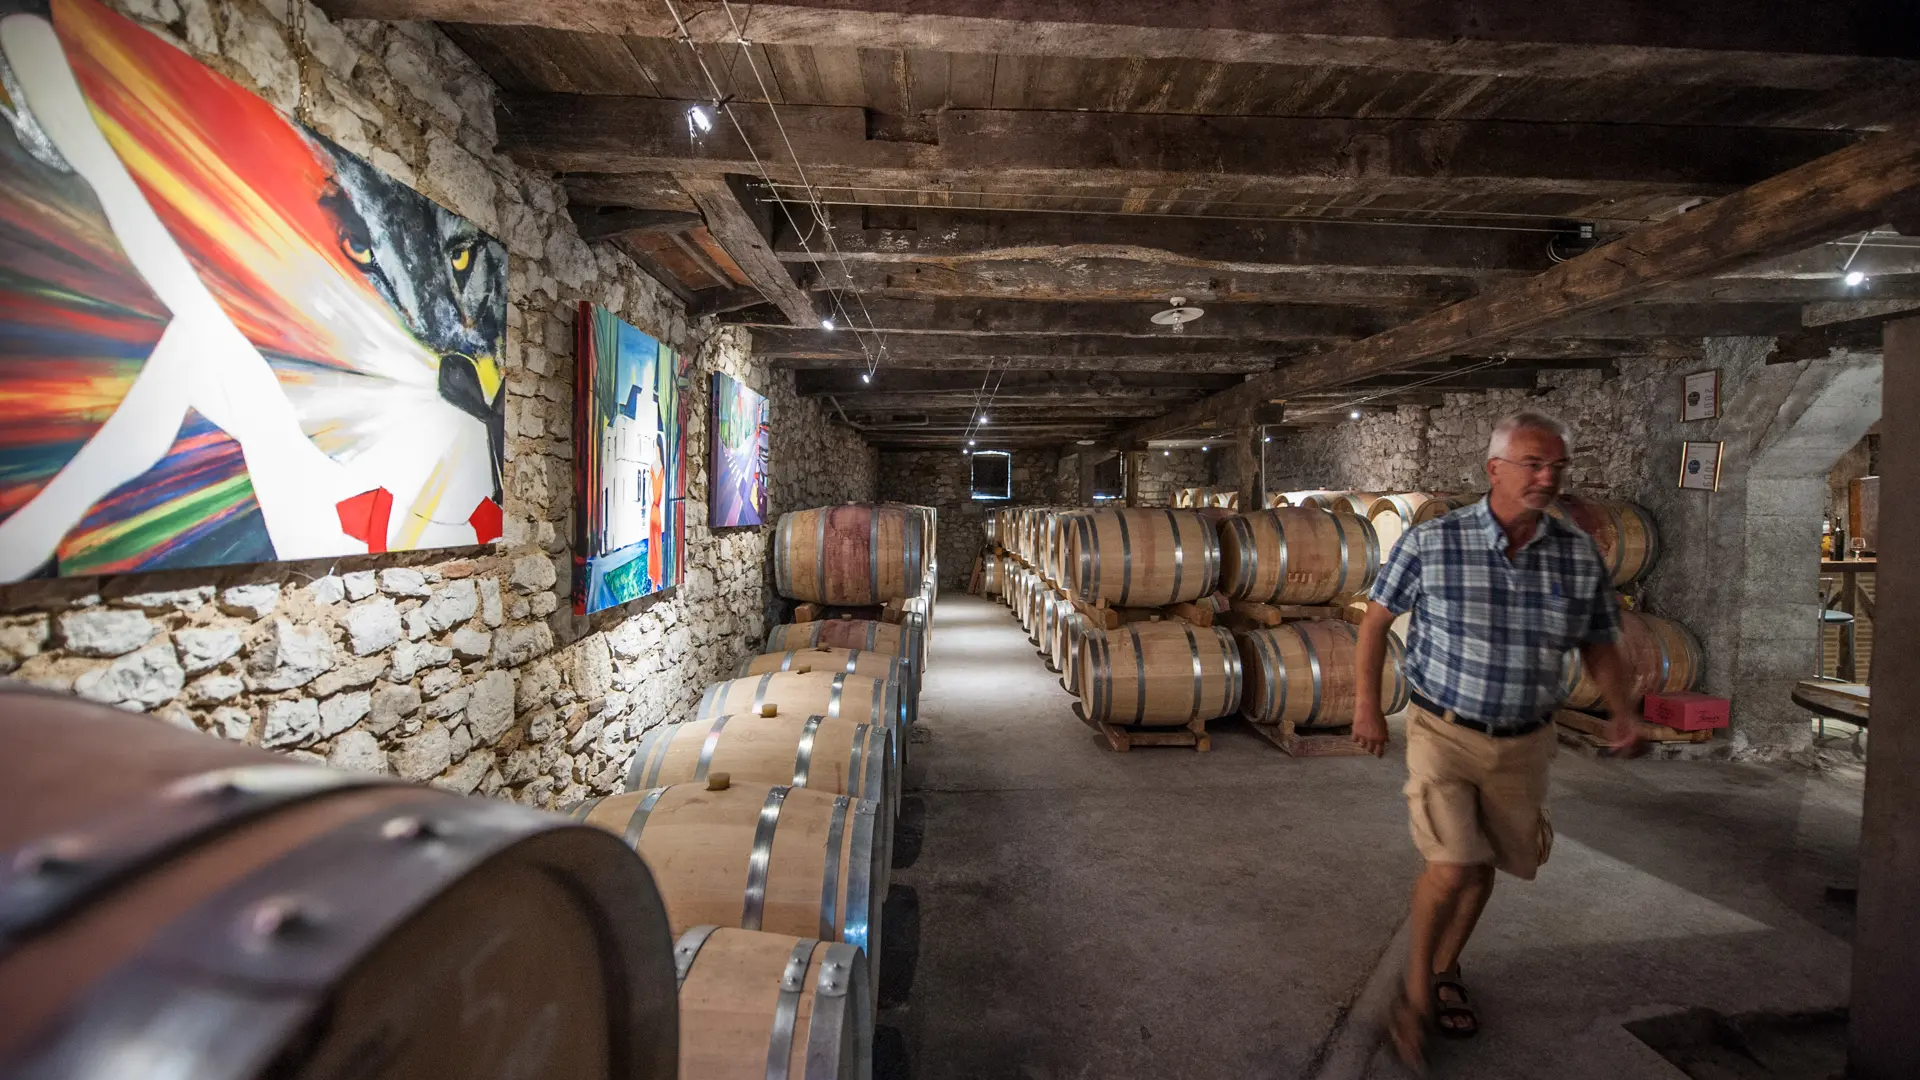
pixel 1700 465
pixel 630 426
pixel 224 338
pixel 738 469
pixel 1700 395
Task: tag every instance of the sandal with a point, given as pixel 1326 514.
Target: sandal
pixel 1454 1019
pixel 1407 1028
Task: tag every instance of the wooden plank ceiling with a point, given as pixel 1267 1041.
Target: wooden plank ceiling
pixel 1002 193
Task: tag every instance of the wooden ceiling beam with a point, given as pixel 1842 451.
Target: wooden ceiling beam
pixel 1058 150
pixel 807 383
pixel 1727 42
pixel 1845 191
pixel 737 220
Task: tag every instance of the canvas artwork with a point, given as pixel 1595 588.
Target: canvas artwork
pixel 738 467
pixel 223 338
pixel 630 429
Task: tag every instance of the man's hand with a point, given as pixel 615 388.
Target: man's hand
pixel 1370 729
pixel 1609 668
pixel 1623 736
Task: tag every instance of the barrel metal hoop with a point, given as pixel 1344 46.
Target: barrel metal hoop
pixel 862 866
pixel 653 771
pixel 49 879
pixel 687 950
pixel 1280 532
pixel 1276 674
pixel 782 537
pixel 219 991
pixel 786 1009
pixel 873 555
pixel 707 748
pixel 803 754
pixel 760 859
pixel 1139 674
pixel 1248 566
pixel 832 1002
pixel 707 701
pixel 1179 556
pixel 1193 650
pixel 834 695
pixel 1236 689
pixel 830 883
pixel 759 692
pixel 1374 554
pixel 1313 668
pixel 1210 543
pixel 637 821
pixel 637 770
pixel 585 810
pixel 1340 525
pixel 1126 558
pixel 820 555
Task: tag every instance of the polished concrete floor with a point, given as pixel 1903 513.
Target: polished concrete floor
pixel 1165 913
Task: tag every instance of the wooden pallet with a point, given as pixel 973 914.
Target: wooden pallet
pixel 1248 616
pixel 1124 737
pixel 1331 742
pixel 1595 726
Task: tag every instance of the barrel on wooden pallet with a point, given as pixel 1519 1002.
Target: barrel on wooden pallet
pixel 1661 655
pixel 1159 674
pixel 1623 531
pixel 1142 558
pixel 1303 673
pixel 870 635
pixel 853 554
pixel 1074 629
pixel 839 757
pixel 1392 515
pixel 755 1005
pixel 181 905
pixel 776 858
pixel 1297 555
pixel 1055 608
pixel 993 569
pixel 1318 498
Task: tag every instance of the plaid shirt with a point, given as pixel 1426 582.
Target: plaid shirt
pixel 1490 634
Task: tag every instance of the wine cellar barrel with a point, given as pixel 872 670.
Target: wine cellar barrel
pixel 755 1005
pixel 1073 630
pixel 1623 531
pixel 1303 673
pixel 874 665
pixel 839 757
pixel 1142 558
pixel 1159 674
pixel 1298 555
pixel 852 555
pixel 813 693
pixel 1392 515
pixel 776 858
pixel 993 570
pixel 205 864
pixel 869 635
pixel 1662 656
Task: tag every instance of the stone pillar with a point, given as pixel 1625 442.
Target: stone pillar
pixel 1884 1041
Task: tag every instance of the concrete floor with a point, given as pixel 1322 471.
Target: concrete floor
pixel 1164 913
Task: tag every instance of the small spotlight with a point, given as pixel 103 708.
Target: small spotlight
pixel 1166 453
pixel 969 442
pixel 866 376
pixel 698 120
pixel 826 323
pixel 1266 438
pixel 1855 279
pixel 983 418
pixel 1204 448
pixel 1354 415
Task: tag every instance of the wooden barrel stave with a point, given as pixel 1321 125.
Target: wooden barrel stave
pixel 1628 540
pixel 1159 674
pixel 1303 673
pixel 1296 555
pixel 853 555
pixel 1662 657
pixel 754 1005
pixel 1142 558
pixel 219 847
pixel 839 757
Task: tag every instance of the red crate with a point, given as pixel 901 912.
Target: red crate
pixel 1687 711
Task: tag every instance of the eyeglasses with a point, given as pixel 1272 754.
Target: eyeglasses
pixel 1557 468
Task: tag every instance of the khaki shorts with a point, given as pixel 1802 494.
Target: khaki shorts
pixel 1474 799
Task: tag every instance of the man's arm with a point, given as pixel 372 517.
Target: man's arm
pixel 1369 660
pixel 1608 666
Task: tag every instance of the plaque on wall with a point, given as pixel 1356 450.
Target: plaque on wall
pixel 1700 395
pixel 1700 465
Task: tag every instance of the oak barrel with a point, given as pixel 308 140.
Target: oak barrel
pixel 1074 628
pixel 1296 555
pixel 180 905
pixel 1159 674
pixel 874 665
pixel 1624 532
pixel 776 858
pixel 870 635
pixel 1142 558
pixel 837 695
pixel 853 554
pixel 1392 515
pixel 1303 673
pixel 839 757
pixel 755 1005
pixel 993 569
pixel 1661 655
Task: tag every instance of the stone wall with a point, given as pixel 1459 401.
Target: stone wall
pixel 1164 472
pixel 466 669
pixel 943 479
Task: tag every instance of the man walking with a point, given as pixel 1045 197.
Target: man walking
pixel 1499 592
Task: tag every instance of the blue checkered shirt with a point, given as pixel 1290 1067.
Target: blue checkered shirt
pixel 1489 635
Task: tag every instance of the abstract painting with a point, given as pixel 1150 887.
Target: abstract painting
pixel 630 427
pixel 223 338
pixel 740 453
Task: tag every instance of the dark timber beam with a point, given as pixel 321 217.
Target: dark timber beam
pixel 1128 279
pixel 1842 192
pixel 1806 46
pixel 608 223
pixel 737 220
pixel 641 191
pixel 1059 150
pixel 809 383
pixel 794 348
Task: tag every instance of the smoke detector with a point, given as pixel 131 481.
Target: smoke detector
pixel 1177 316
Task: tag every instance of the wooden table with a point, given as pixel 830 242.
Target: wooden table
pixel 1849 701
pixel 1850 600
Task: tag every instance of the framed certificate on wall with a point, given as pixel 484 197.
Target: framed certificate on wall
pixel 1700 395
pixel 1700 465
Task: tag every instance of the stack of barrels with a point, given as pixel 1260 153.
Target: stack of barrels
pixel 768 818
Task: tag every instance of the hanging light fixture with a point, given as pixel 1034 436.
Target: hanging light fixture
pixel 1177 317
pixel 698 122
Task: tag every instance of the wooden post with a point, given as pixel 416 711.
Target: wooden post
pixel 1246 460
pixel 1086 476
pixel 1136 460
pixel 1883 1041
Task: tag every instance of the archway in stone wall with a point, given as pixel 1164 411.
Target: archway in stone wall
pixel 1740 565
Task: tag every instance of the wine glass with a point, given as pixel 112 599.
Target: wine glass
pixel 1858 545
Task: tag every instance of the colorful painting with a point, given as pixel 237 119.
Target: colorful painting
pixel 630 426
pixel 738 467
pixel 223 338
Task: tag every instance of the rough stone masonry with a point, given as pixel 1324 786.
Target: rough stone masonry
pixel 469 672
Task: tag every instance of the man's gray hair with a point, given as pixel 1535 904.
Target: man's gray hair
pixel 1524 420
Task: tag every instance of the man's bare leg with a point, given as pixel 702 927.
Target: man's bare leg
pixel 1468 903
pixel 1447 899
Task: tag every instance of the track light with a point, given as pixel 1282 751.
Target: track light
pixel 1204 448
pixel 1166 453
pixel 1855 279
pixel 983 418
pixel 826 323
pixel 698 121
pixel 969 442
pixel 1266 438
pixel 1354 415
pixel 866 376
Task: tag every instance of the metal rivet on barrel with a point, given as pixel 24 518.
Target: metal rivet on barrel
pixel 51 856
pixel 281 917
pixel 409 828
